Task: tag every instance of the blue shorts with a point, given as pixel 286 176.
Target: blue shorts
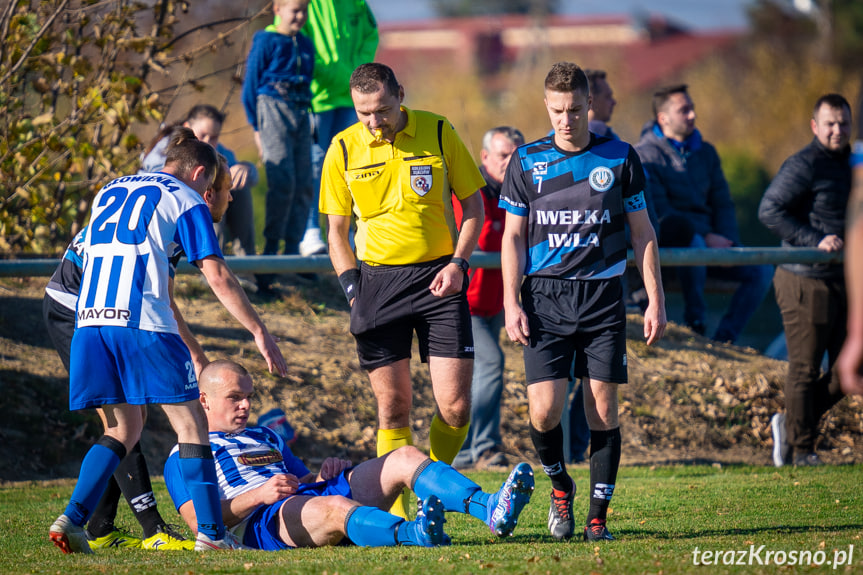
pixel 262 527
pixel 112 365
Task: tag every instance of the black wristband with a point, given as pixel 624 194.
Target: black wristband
pixel 462 263
pixel 349 280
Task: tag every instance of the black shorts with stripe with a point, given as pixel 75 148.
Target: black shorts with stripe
pixel 393 302
pixel 580 320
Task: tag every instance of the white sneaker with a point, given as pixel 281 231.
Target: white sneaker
pixel 70 538
pixel 228 542
pixel 312 243
pixel 781 449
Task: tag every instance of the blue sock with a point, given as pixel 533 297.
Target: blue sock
pixel 199 474
pixel 456 492
pixel 96 469
pixel 373 527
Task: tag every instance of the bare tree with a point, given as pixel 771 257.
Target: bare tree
pixel 76 78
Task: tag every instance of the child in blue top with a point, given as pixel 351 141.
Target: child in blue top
pixel 276 96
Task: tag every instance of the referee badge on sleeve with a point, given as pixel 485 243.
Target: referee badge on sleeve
pixel 421 179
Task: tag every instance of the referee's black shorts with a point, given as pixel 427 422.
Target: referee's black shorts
pixel 392 302
pixel 580 319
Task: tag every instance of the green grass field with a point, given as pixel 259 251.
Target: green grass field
pixel 660 515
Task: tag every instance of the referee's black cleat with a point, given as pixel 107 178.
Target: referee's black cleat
pixel 597 531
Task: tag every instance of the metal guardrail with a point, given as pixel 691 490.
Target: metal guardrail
pixel 300 264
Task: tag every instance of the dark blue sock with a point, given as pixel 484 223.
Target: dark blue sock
pixel 456 492
pixel 373 527
pixel 96 470
pixel 199 474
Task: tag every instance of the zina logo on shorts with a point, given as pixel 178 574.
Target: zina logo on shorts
pixel 601 179
pixel 421 179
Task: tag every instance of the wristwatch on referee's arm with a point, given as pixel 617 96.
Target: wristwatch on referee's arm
pixel 462 263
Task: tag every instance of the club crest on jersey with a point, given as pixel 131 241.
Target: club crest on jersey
pixel 540 168
pixel 601 179
pixel 260 458
pixel 421 179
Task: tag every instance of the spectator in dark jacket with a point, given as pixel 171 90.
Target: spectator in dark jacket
pixel 805 206
pixel 691 206
pixel 483 446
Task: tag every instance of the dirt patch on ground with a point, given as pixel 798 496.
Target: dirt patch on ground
pixel 688 400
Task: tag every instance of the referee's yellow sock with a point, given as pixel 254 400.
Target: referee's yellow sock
pixel 390 440
pixel 445 441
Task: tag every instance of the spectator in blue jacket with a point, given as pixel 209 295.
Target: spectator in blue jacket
pixel 276 95
pixel 805 206
pixel 691 205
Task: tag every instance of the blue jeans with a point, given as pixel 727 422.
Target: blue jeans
pixel 486 389
pixel 329 124
pixel 754 283
pixel 286 142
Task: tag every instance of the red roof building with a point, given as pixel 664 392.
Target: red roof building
pixel 647 51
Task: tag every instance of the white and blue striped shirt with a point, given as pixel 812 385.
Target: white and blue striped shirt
pixel 244 461
pixel 136 224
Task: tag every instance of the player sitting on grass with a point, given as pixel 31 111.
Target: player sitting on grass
pixel 271 501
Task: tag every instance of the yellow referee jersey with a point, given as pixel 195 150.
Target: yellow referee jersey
pixel 401 193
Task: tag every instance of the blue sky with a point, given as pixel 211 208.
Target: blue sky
pixel 696 14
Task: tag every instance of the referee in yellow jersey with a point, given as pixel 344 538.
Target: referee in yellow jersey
pixel 397 170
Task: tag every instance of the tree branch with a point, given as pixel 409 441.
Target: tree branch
pixel 35 41
pixel 173 41
pixel 219 38
pixel 5 19
pixel 196 79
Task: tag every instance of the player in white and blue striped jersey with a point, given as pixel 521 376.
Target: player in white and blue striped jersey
pixel 245 461
pixel 132 477
pixel 127 350
pixel 271 501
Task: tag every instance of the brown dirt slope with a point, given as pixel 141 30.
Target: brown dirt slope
pixel 688 399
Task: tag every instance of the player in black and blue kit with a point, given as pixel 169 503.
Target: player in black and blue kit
pixel 567 197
